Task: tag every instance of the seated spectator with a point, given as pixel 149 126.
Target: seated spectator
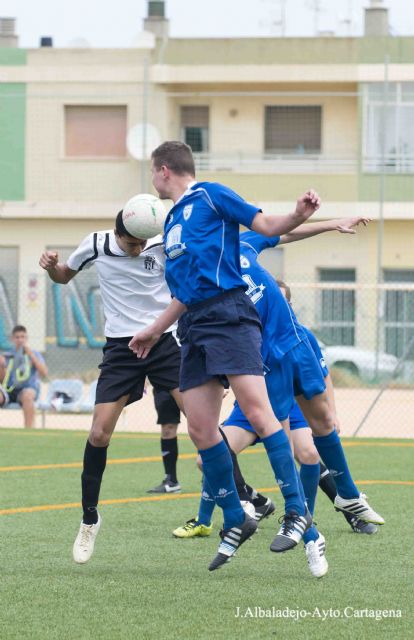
pixel 22 369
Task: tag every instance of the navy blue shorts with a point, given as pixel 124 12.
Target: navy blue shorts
pixel 220 336
pixel 298 373
pixel 238 419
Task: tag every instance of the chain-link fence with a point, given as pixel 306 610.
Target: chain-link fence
pixel 85 152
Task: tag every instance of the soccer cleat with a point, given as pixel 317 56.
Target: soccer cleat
pixel 264 510
pixel 358 507
pixel 248 507
pixel 315 555
pixel 192 529
pixel 291 532
pixel 359 526
pixel 231 539
pixel 166 486
pixel 85 541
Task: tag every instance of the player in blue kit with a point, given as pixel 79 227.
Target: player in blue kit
pixel 282 334
pixel 293 370
pixel 217 321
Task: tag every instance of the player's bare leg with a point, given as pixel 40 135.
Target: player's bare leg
pixel 104 420
pixel 321 420
pixel 202 405
pixel 251 394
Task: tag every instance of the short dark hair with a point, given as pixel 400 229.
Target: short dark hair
pixel 120 227
pixel 175 155
pixel 19 328
pixel 286 287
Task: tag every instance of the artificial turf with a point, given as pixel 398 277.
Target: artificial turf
pixel 143 583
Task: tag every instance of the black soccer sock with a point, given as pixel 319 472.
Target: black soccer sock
pixel 237 474
pixel 94 462
pixel 328 486
pixel 169 450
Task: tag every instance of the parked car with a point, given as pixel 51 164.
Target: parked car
pixel 360 362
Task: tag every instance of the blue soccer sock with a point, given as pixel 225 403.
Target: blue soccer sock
pixel 218 469
pixel 280 456
pixel 309 475
pixel 312 533
pixel 207 504
pixel 332 454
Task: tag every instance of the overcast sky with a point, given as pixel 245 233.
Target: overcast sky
pixel 116 24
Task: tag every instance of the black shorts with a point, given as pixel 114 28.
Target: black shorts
pixel 122 373
pixel 220 336
pixel 166 407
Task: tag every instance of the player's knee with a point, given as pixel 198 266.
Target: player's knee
pixel 169 430
pixel 256 416
pixel 98 436
pixel 308 455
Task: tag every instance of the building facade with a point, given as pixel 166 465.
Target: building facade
pixel 269 117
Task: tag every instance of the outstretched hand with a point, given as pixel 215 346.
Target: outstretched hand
pixel 347 225
pixel 143 341
pixel 308 203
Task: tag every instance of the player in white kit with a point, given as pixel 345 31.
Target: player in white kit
pixel 134 293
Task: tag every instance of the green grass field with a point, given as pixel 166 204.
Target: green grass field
pixel 142 583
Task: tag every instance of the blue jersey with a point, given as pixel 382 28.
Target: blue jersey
pixel 202 242
pixel 317 350
pixel 281 329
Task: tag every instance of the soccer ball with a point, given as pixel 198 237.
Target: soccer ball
pixel 144 216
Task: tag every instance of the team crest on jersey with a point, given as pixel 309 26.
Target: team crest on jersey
pixel 244 263
pixel 149 262
pixel 187 211
pixel 173 245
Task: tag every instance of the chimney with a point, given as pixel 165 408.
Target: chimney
pixel 156 22
pixel 46 41
pixel 8 38
pixel 376 19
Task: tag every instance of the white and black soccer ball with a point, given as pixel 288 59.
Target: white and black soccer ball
pixel 144 216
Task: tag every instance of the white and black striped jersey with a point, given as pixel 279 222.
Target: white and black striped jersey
pixel 133 289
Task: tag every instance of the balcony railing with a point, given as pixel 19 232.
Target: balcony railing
pixel 241 162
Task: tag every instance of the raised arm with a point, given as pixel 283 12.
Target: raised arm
pixel 272 225
pixel 142 342
pixel 307 230
pixel 57 271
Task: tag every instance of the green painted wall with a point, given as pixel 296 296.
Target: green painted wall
pixel 239 51
pixel 14 57
pixel 12 141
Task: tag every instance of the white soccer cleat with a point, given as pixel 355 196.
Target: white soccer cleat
pixel 358 507
pixel 85 541
pixel 315 555
pixel 249 508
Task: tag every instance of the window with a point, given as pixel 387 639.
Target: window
pixel 195 128
pixel 293 129
pixel 95 131
pixel 337 306
pixel 399 312
pixel 388 127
